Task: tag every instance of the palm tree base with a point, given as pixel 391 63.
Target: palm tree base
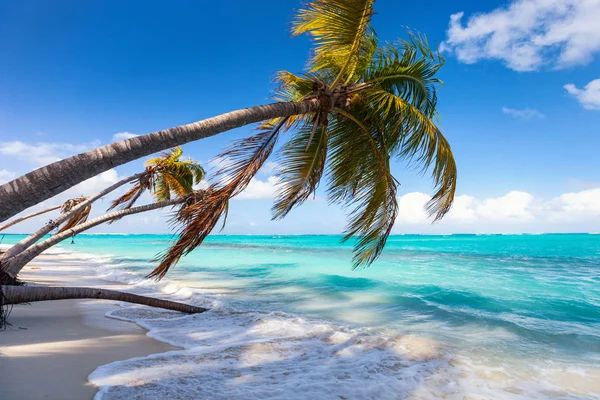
pixel 6 279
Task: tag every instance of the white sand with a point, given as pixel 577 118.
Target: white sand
pixel 52 347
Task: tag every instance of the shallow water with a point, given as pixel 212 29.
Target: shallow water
pixel 458 316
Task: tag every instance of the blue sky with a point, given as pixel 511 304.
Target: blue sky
pixel 520 104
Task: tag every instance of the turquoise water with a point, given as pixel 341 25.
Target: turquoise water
pixel 525 303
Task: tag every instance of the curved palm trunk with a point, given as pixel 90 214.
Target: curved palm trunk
pixel 30 294
pixel 34 237
pixel 14 265
pixel 55 178
pixel 35 214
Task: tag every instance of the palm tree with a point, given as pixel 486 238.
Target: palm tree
pixel 166 176
pixel 50 180
pixel 375 102
pixel 11 293
pixel 63 217
pixel 12 266
pixel 163 175
pixel 76 217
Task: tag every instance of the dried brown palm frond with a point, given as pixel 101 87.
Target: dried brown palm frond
pixel 68 205
pixel 128 199
pixel 77 218
pixel 244 158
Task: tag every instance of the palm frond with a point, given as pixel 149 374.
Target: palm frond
pixel 340 31
pixel 412 135
pixel 360 178
pixel 129 198
pixel 407 73
pixel 162 189
pixel 79 217
pixel 300 168
pixel 244 158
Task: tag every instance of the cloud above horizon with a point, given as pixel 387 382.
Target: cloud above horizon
pixel 589 96
pixel 516 211
pixel 117 137
pixel 525 113
pixel 528 34
pixel 43 153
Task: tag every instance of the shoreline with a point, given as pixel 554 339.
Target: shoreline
pixel 52 347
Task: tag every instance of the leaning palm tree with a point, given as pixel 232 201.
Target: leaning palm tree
pixel 375 103
pixel 324 19
pixel 14 265
pixel 163 175
pixel 64 217
pixel 73 219
pixel 12 293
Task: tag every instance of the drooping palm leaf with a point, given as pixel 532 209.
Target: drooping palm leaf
pixel 419 140
pixel 300 168
pixel 360 178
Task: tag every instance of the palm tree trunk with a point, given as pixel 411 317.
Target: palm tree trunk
pixel 57 177
pixel 14 265
pixel 35 214
pixel 34 237
pixel 30 294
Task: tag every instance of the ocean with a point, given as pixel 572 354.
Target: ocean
pixel 455 316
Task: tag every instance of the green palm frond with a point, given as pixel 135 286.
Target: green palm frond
pixel 360 179
pixel 300 168
pixel 415 137
pixel 341 29
pixel 166 176
pixel 162 189
pixel 407 74
pixel 375 102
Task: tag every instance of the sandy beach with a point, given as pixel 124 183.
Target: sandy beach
pixel 52 347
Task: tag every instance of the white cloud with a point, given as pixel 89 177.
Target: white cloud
pixel 6 176
pixel 589 96
pixel 43 153
pixel 514 206
pixel 574 206
pixel 525 113
pixel 411 208
pixel 93 185
pixel 528 34
pixel 258 189
pixel 117 137
pixel 517 211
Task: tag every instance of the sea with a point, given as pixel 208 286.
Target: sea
pixel 452 316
